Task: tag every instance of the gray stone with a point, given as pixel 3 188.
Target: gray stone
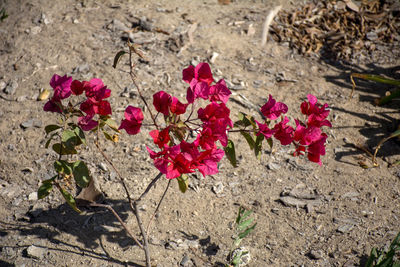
pixel 3 85
pixel 31 123
pixel 103 166
pixel 218 188
pixel 35 252
pixel 33 196
pixel 11 87
pixel 345 228
pixel 316 254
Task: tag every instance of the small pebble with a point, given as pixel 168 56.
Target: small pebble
pixel 11 87
pixel 33 196
pixel 35 252
pixel 103 166
pixel 218 188
pixel 315 254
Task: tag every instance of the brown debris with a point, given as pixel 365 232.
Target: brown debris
pixel 340 29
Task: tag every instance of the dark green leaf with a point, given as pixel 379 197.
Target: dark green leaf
pixel 62 150
pixel 45 189
pixel 183 182
pixel 248 231
pixel 49 140
pixel 270 142
pixel 62 166
pixel 258 146
pixel 230 153
pixel 80 134
pixel 70 199
pixel 52 127
pixel 69 139
pixel 117 58
pixel 107 136
pixel 249 139
pixel 81 173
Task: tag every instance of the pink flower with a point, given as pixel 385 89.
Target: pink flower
pixel 208 161
pixel 272 109
pixel 160 138
pixel 92 107
pixel 177 107
pixel 133 120
pixel 306 136
pixel 316 149
pixel 96 90
pixel 87 123
pixel 284 132
pixel 197 89
pixel 161 102
pixel 219 92
pixel 201 73
pixel 264 130
pixel 77 87
pixel 62 90
pixel 316 112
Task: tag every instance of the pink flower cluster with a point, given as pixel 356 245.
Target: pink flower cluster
pixel 177 155
pixel 95 92
pixel 307 137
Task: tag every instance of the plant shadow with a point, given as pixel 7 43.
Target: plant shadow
pixel 90 228
pixel 378 125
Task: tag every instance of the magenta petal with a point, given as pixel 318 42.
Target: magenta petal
pixel 203 73
pixel 87 123
pixel 188 74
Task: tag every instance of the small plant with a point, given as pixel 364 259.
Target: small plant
pixel 3 14
pixel 388 97
pixel 240 256
pixel 391 258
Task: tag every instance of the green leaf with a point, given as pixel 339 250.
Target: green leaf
pixel 69 198
pixel 258 146
pixel 245 120
pixel 249 139
pixel 52 127
pixel 230 153
pixel 108 136
pixel 80 134
pixel 49 140
pixel 183 182
pixel 46 187
pixel 376 78
pixel 62 166
pixel 243 225
pixel 248 231
pixel 112 124
pixel 70 139
pixel 118 57
pixel 81 173
pixel 270 142
pixel 62 150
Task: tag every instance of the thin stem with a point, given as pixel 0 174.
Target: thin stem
pixel 132 74
pixel 158 206
pixel 149 186
pixel 119 219
pixel 145 242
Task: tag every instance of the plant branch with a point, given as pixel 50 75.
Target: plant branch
pixel 144 235
pixel 120 221
pixel 149 186
pixel 158 206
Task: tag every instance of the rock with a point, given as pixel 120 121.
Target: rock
pixel 35 30
pixel 315 254
pixel 31 123
pixel 273 166
pixel 103 166
pixel 186 261
pixel 345 228
pixel 214 57
pixel 3 85
pixel 119 26
pixel 11 87
pixel 218 188
pixel 83 68
pixel 35 252
pixel 11 147
pixel 33 196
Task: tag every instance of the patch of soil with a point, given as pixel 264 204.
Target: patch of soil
pixel 356 208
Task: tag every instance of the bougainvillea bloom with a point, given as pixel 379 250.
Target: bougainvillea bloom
pixel 77 87
pixel 265 130
pixel 306 135
pixel 272 109
pixel 219 92
pixel 96 90
pixel 316 112
pixel 317 149
pixel 208 161
pixel 92 107
pixel 160 138
pixel 197 89
pixel 161 102
pixel 133 120
pixel 62 90
pixel 284 132
pixel 87 123
pixel 201 73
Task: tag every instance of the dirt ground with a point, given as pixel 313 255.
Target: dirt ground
pixel 355 209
